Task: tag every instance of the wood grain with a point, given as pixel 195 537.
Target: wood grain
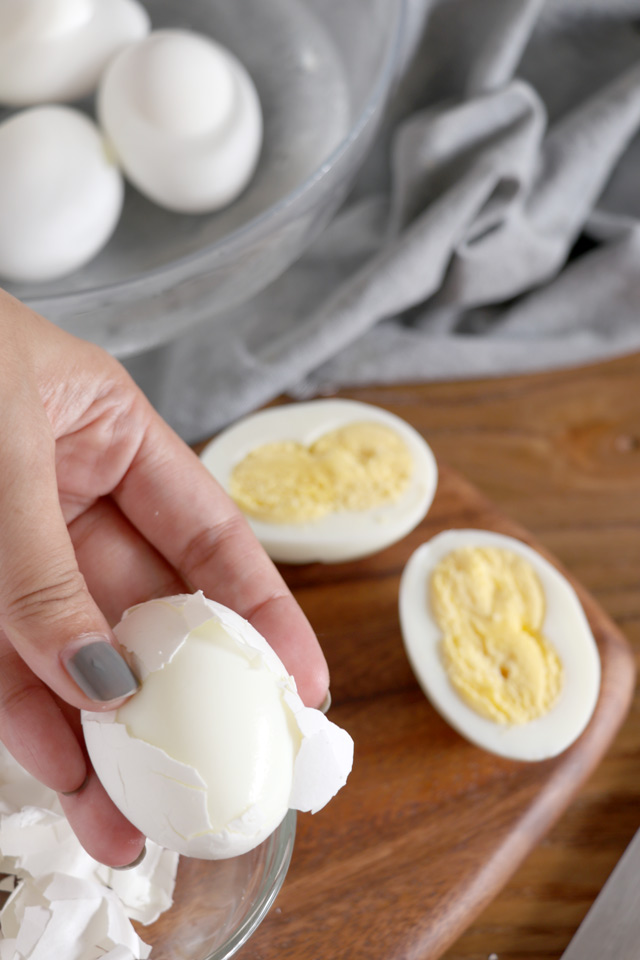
pixel 430 828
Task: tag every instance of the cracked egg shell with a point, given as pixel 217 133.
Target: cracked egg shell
pixel 564 625
pixel 339 536
pixel 217 745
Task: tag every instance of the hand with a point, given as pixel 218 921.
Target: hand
pixel 102 506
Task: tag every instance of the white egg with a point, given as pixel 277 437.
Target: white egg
pixel 342 535
pixel 565 626
pixel 60 193
pixel 184 118
pixel 217 745
pixel 56 50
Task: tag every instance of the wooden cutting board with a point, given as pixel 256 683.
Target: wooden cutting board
pixel 429 827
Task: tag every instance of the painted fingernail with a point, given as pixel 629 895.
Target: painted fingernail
pixel 73 793
pixel 136 863
pixel 326 703
pixel 101 673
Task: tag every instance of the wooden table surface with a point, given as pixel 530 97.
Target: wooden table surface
pixel 560 454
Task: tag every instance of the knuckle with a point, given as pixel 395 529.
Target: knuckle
pixel 208 544
pixel 20 690
pixel 49 600
pixel 277 598
pixel 165 588
pixel 20 702
pixel 17 696
pixel 168 587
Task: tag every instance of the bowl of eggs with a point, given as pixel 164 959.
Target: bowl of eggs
pixel 162 162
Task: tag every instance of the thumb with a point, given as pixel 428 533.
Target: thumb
pixel 46 610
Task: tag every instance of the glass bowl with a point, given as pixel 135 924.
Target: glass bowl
pixel 323 70
pixel 219 903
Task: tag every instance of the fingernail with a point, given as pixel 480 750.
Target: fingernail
pixel 101 673
pixel 326 703
pixel 72 793
pixel 136 863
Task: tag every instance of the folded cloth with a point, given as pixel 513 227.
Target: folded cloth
pixel 494 229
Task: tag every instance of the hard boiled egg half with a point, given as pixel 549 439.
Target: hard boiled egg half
pixel 499 642
pixel 327 480
pixel 208 756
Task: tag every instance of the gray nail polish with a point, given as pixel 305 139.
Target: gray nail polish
pixel 101 672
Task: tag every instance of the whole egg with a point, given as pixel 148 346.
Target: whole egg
pixel 184 119
pixel 56 50
pixel 61 193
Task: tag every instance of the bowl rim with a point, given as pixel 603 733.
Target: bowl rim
pixel 190 265
pixel 281 844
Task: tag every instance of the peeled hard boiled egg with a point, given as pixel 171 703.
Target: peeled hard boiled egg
pixel 558 648
pixel 53 50
pixel 208 756
pixel 328 480
pixel 184 118
pixel 60 193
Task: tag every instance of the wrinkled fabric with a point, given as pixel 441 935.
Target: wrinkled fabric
pixel 494 229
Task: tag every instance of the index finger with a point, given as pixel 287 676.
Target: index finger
pixel 180 508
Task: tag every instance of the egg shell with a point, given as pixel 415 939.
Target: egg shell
pixel 60 194
pixel 565 626
pixel 184 150
pixel 342 536
pixel 57 915
pixel 167 799
pixel 56 50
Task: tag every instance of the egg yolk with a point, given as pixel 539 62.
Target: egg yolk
pixel 357 467
pixel 490 605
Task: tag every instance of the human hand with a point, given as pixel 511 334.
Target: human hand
pixel 102 506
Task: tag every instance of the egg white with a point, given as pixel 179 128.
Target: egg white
pixel 342 536
pixel 565 626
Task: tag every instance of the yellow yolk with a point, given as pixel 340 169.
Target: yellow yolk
pixel 490 606
pixel 357 467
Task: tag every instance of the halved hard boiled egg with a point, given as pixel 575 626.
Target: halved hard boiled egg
pixel 327 480
pixel 499 642
pixel 216 745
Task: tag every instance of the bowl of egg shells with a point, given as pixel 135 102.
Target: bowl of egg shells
pixel 212 759
pixel 169 907
pixel 162 162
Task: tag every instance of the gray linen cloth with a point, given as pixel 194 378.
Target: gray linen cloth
pixel 494 229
